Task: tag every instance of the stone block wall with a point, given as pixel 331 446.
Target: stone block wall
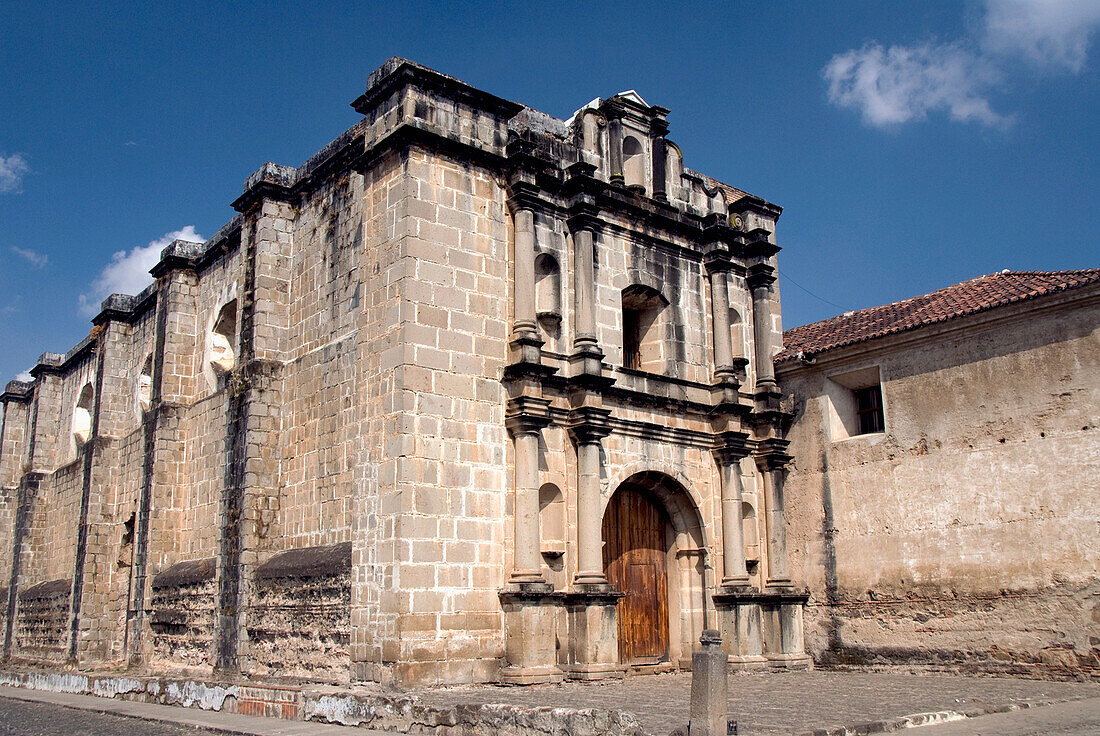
pixel 361 416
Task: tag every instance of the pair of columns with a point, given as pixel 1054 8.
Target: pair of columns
pixel 584 275
pixel 527 559
pixel 734 571
pixel 760 281
pixel 591 425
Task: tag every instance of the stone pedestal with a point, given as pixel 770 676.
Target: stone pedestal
pixel 792 654
pixel 593 634
pixel 530 641
pixel 763 628
pixel 740 624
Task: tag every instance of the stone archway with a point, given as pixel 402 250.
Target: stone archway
pixel 654 553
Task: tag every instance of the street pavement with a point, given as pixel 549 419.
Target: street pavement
pixel 761 703
pixel 784 702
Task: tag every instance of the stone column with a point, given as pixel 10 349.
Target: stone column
pixel 734 572
pixel 772 469
pixel 530 609
pixel 584 291
pixel 525 323
pixel 718 266
pixel 583 221
pixel 615 142
pixel 526 558
pixel 761 279
pixel 591 427
pixel 660 169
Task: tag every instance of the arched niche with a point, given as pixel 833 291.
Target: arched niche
pixel 144 388
pixel 751 533
pixel 737 333
pixel 642 306
pixel 551 520
pixel 82 417
pixel 222 340
pixel 548 291
pixel 634 163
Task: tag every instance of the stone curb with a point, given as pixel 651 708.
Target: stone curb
pixel 926 719
pixel 377 711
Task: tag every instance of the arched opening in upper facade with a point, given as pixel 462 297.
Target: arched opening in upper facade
pixel 634 163
pixel 223 340
pixel 82 417
pixel 642 307
pixel 654 553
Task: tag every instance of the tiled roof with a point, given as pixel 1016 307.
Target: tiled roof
pixel 969 297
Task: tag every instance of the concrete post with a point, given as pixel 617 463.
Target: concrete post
pixel 525 273
pixel 708 687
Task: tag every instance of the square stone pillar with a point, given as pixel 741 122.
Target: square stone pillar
pixel 530 641
pixel 593 634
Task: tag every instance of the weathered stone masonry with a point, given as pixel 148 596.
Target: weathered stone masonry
pixel 474 394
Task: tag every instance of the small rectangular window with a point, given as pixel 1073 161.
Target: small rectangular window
pixel 632 344
pixel 869 410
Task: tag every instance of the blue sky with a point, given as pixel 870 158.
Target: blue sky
pixel 912 145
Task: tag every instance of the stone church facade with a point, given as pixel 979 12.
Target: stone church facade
pixel 473 395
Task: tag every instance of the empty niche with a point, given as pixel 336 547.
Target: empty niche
pixel 82 418
pixel 222 355
pixel 552 524
pixel 548 294
pixel 642 307
pixel 633 164
pixel 144 389
pixel 751 534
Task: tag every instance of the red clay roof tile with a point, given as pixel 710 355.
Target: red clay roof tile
pixel 969 297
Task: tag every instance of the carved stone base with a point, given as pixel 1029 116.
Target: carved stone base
pixel 762 629
pixel 592 613
pixel 530 642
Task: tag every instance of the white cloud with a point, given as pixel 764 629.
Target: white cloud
pixel 25 377
pixel 903 83
pixel 128 272
pixel 12 169
pixel 895 85
pixel 1053 33
pixel 38 260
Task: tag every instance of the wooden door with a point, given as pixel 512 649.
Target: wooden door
pixel 634 557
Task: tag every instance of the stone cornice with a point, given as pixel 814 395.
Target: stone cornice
pixel 396 73
pixel 589 424
pixel 270 181
pixel 526 414
pixel 760 275
pixel 20 391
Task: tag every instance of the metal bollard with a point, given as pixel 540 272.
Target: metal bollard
pixel 709 687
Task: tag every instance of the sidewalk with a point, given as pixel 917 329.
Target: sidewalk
pixel 226 723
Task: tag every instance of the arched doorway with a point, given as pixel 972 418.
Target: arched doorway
pixel 653 554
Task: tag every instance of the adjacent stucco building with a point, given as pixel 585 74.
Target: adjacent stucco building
pixel 473 394
pixel 944 500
